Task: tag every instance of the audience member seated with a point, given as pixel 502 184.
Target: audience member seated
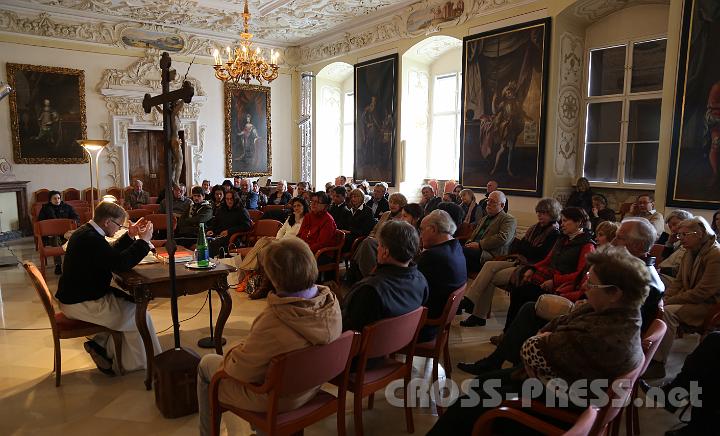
pixel 396 287
pixel 318 227
pixel 281 194
pixel 429 200
pixel 442 263
pixel 248 198
pixel 55 208
pixel 137 197
pixel 457 190
pixel 456 212
pixel 636 236
pixel 673 252
pixel 207 191
pixel 532 248
pixel 338 209
pixel 605 233
pixel 600 212
pixel 340 180
pixel 378 203
pixel 556 273
pixel 715 225
pixel 328 189
pixel 694 291
pixel 254 280
pixel 299 314
pixel 231 218
pixel 361 220
pixel 181 203
pixel 218 198
pixel 227 185
pixel 199 212
pixel 493 234
pixel 449 197
pixel 412 213
pixel 262 198
pixel 364 186
pixel 598 341
pixel 644 207
pixel 237 183
pixel 582 197
pixel 481 211
pixel 469 205
pixel 304 190
pixel 85 292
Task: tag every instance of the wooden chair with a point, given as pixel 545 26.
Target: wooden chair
pixel 318 365
pixel 378 340
pixel 64 327
pixel 583 426
pixel 335 253
pixel 449 186
pixel 440 345
pixel 260 228
pixel 115 192
pixel 275 207
pixel 656 251
pixel 153 200
pixel 255 214
pixel 53 227
pixel 71 194
pixel 136 214
pixel 78 203
pixel 152 207
pixel 624 210
pixel 711 323
pixel 650 343
pixel 159 221
pixel 464 232
pixel 86 194
pixel 350 254
pixel 84 213
pixel 41 196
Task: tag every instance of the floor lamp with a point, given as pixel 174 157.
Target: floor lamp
pixel 93 147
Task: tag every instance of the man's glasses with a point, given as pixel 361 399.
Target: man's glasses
pixel 686 234
pixel 122 226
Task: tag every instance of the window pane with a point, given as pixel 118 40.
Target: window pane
pixel 603 122
pixel 444 94
pixel 349 109
pixel 601 162
pixel 443 162
pixel 644 120
pixel 648 65
pixel 641 162
pixel 607 71
pixel 348 155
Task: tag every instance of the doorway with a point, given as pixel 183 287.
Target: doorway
pixel 146 159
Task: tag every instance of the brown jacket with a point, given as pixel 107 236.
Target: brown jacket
pixel 286 324
pixel 498 236
pixel 697 285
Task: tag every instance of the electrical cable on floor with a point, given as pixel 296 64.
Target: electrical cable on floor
pixel 187 319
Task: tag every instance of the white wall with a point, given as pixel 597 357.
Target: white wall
pixel 211 115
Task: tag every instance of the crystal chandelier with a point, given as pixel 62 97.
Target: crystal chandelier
pixel 245 64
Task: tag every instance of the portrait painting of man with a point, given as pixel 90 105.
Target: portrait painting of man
pixel 247 131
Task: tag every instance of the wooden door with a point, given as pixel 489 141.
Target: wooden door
pixel 146 159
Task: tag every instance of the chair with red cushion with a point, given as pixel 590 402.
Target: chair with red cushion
pixel 71 194
pixel 159 221
pixel 335 253
pixel 64 327
pixel 136 214
pixel 152 207
pixel 78 203
pixel 255 214
pixel 379 340
pixel 317 365
pixel 260 228
pixel 41 196
pixel 440 345
pixel 275 208
pixel 52 227
pixel 86 194
pixel 115 192
pixel 583 426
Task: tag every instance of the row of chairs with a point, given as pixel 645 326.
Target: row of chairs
pixel 69 194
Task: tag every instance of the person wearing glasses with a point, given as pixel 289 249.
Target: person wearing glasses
pixel 318 227
pixel 493 234
pixel 695 289
pixel 85 292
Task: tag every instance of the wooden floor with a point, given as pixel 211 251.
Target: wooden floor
pixel 90 403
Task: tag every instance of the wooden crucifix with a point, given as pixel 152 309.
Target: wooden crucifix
pixel 170 100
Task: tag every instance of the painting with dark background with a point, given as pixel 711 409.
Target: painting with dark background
pixel 504 92
pixel 248 151
pixel 375 119
pixel 694 177
pixel 47 114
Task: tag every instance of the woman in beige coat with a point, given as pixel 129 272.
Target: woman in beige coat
pixel 299 314
pixel 694 291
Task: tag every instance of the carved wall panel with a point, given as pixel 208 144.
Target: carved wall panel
pixel 569 104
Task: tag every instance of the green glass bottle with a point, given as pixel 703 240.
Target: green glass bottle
pixel 203 254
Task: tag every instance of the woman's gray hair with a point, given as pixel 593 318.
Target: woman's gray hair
pixel 468 192
pixel 680 214
pixel 441 220
pixel 700 224
pixel 549 206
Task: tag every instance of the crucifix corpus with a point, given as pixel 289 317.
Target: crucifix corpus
pixel 173 397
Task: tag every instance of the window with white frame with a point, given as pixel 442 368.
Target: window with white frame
pixel 347 158
pixel 329 131
pixel 415 116
pixel 444 150
pixel 622 112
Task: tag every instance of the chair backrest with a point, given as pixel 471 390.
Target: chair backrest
pixel 464 231
pixel 115 192
pixel 274 207
pixel 449 186
pixel 159 221
pixel 656 251
pixel 136 214
pixel 78 203
pixel 255 215
pixel 265 227
pixel 339 243
pixel 391 334
pixel 451 307
pixel 152 207
pixel 86 194
pixel 651 340
pixel 71 194
pixel 42 290
pixel 55 227
pixel 618 394
pixel 583 426
pixel 41 195
pixel 624 209
pixel 35 210
pixel 317 365
pixel 153 200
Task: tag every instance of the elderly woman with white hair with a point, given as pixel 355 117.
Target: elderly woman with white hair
pixel 694 291
pixel 442 262
pixel 281 194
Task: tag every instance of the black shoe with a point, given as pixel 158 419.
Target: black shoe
pixel 467 305
pixel 58 269
pixel 480 367
pixel 473 321
pixel 99 356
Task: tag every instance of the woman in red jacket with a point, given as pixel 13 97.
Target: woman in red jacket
pixel 318 227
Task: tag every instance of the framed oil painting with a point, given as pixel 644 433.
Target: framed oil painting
pixel 375 119
pixel 502 132
pixel 248 151
pixel 47 114
pixel 694 179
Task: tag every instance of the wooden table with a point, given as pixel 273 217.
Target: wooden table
pixel 149 281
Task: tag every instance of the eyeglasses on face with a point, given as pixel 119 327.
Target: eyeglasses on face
pixel 686 234
pixel 122 226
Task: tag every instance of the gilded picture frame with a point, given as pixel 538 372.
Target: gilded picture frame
pixel 248 139
pixel 47 114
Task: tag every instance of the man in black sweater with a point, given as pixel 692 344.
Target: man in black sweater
pixel 84 289
pixel 338 210
pixel 396 288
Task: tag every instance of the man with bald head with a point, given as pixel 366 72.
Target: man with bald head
pixel 481 211
pixel 137 197
pixel 493 234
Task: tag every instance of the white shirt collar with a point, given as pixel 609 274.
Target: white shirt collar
pixel 97 228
